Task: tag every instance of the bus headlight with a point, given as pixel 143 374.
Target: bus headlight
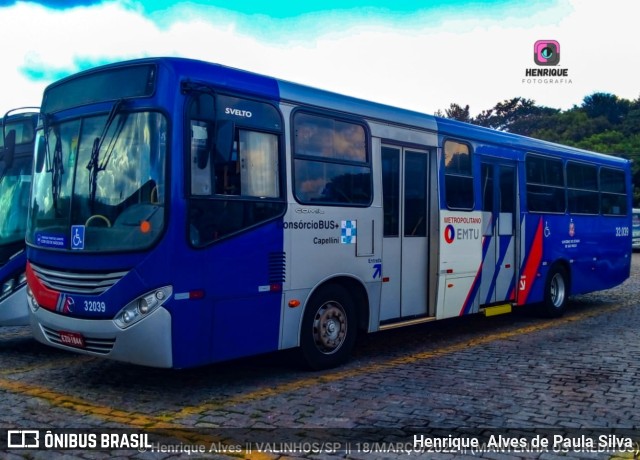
pixel 7 286
pixel 141 306
pixel 12 284
pixel 31 300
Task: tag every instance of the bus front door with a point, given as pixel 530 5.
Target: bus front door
pixel 405 244
pixel 498 232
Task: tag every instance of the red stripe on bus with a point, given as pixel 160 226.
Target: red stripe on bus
pixel 531 268
pixel 46 298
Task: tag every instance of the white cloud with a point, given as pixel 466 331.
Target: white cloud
pixel 56 42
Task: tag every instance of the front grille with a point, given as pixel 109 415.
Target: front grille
pixel 101 346
pixel 77 283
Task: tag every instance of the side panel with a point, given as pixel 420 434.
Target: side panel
pixel 595 250
pixel 479 248
pixel 460 262
pixel 242 285
pixel 324 242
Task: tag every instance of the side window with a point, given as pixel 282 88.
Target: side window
pixel 391 190
pixel 613 192
pixel 415 194
pixel 23 131
pixel 201 117
pixel 458 177
pixel 545 184
pixel 235 167
pixel 331 161
pixel 582 188
pixel 486 173
pixel 201 135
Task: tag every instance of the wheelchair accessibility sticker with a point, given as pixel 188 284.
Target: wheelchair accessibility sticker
pixel 77 236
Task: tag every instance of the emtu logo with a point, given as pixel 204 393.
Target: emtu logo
pixel 449 234
pixel 546 52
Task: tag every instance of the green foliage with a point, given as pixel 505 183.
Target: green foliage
pixel 603 123
pixel 456 112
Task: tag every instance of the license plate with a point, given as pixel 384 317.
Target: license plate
pixel 72 339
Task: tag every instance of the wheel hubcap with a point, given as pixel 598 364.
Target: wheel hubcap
pixel 557 291
pixel 330 327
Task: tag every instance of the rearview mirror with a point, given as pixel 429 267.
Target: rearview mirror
pixel 40 154
pixel 9 148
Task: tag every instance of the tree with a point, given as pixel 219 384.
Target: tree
pixel 517 115
pixel 456 112
pixel 603 123
pixel 606 105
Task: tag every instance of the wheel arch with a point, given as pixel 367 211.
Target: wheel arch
pixel 557 289
pixel 330 322
pixel 566 266
pixel 356 289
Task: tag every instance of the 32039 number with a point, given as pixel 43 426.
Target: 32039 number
pixel 622 231
pixel 91 305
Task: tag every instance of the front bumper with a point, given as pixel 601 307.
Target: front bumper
pixel 147 343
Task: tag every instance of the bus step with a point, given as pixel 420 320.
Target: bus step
pixel 409 322
pixel 496 310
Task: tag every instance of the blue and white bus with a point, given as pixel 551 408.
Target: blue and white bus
pixel 16 154
pixel 185 213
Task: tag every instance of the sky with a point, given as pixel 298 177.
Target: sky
pixel 421 55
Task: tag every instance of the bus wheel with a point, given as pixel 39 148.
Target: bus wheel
pixel 328 328
pixel 556 292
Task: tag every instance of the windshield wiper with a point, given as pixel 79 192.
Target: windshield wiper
pixel 55 167
pixel 57 170
pixel 95 165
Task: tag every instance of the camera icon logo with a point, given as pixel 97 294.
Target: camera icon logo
pixel 546 52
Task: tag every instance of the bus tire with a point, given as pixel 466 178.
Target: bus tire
pixel 329 328
pixel 556 292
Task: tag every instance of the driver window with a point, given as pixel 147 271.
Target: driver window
pixel 235 163
pixel 259 164
pixel 252 167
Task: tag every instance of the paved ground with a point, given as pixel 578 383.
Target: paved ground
pixel 515 378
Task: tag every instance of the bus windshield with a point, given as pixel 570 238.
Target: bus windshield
pixel 15 183
pixel 99 183
pixel 23 129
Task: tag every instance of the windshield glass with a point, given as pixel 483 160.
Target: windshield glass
pixel 99 183
pixel 14 200
pixel 23 128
